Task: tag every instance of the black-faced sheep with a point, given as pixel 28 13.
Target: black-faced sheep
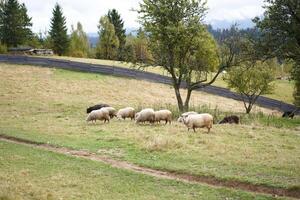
pixel 198 121
pixel 124 113
pixel 232 119
pixel 163 115
pixel 145 115
pixel 96 107
pixel 101 115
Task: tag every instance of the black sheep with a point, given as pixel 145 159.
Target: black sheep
pixel 233 119
pixel 96 107
pixel 288 114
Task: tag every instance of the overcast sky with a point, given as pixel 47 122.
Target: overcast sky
pixel 88 12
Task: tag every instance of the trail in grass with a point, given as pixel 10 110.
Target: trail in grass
pixel 156 173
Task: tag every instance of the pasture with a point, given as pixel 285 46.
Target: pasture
pixel 49 106
pixel 283 88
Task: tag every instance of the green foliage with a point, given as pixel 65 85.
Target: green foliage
pixel 79 44
pixel 108 45
pixel 14 23
pixel 3 48
pixel 58 32
pixel 129 49
pixel 251 82
pixel 118 23
pixel 141 47
pixel 280 28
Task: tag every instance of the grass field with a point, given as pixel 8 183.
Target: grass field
pixel 283 89
pixel 48 105
pixel 28 173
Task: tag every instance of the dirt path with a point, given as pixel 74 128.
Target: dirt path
pixel 212 181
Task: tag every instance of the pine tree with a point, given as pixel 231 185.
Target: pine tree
pixel 108 45
pixel 118 23
pixel 14 23
pixel 58 32
pixel 79 44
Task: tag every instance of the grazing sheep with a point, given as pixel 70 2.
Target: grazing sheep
pixel 165 115
pixel 184 115
pixel 96 107
pixel 101 114
pixel 112 111
pixel 124 113
pixel 288 114
pixel 145 115
pixel 198 121
pixel 232 119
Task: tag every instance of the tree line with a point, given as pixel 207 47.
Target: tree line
pixel 174 37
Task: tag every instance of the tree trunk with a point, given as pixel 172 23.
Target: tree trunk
pixel 178 97
pixel 187 100
pixel 249 108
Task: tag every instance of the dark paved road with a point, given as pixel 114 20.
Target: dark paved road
pixel 137 74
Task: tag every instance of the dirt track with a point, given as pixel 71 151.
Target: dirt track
pixel 212 181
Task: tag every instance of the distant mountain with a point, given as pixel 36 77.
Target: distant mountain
pixel 223 24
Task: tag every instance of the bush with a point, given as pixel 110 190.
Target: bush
pixel 3 48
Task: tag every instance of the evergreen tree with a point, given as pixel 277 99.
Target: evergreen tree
pixel 118 23
pixel 79 44
pixel 58 32
pixel 14 23
pixel 108 45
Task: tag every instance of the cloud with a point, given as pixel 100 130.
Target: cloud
pixel 88 12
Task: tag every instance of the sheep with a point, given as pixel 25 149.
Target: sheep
pixel 232 119
pixel 112 111
pixel 145 115
pixel 127 112
pixel 163 115
pixel 101 114
pixel 96 107
pixel 184 115
pixel 198 121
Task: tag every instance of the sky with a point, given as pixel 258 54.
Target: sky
pixel 221 13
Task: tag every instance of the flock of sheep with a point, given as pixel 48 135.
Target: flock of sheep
pixel 191 120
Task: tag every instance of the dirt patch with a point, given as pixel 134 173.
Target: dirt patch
pixel 188 178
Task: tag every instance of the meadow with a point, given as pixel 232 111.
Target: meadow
pixel 283 90
pixel 49 106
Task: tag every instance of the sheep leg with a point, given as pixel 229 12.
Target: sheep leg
pixel 194 129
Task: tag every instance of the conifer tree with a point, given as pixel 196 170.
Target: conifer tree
pixel 14 23
pixel 58 32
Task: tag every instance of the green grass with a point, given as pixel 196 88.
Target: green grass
pixel 49 105
pixel 28 173
pixel 283 89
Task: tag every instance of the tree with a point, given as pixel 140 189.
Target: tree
pixel 129 49
pixel 250 81
pixel 14 23
pixel 141 47
pixel 118 23
pixel 181 44
pixel 280 28
pixel 108 45
pixel 58 31
pixel 79 44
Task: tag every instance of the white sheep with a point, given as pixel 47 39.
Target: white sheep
pixel 112 111
pixel 145 115
pixel 127 112
pixel 101 114
pixel 164 115
pixel 198 121
pixel 184 115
